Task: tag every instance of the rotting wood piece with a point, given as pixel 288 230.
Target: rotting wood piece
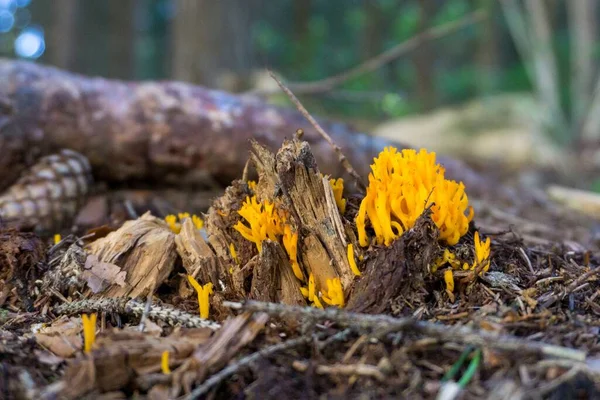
pixel 305 189
pixel 145 249
pixel 167 133
pixel 273 278
pixel 397 270
pixel 198 259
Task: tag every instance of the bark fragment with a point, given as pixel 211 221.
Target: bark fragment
pixel 397 270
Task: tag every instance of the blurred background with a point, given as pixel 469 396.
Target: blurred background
pixel 508 83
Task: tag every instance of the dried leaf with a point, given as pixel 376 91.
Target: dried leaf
pixel 99 275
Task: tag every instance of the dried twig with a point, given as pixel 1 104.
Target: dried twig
pixel 569 289
pixel 342 158
pixel 371 371
pixel 242 362
pixel 169 315
pixel 460 334
pixel 325 85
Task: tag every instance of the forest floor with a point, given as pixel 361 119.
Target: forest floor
pixel 526 328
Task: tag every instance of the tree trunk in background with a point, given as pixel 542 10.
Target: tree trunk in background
pixel 212 42
pixel 301 15
pixel 104 38
pixel 61 34
pixel 374 35
pixel 486 56
pixel 423 59
pixel 121 37
pixel 584 32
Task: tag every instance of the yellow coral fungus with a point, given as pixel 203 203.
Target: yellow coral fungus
pixel 335 293
pixel 233 253
pixel 352 260
pixel 304 291
pixel 89 331
pixel 57 238
pixel 401 186
pixel 171 220
pixel 252 185
pixel 448 257
pixel 290 242
pixel 337 185
pixel 203 296
pixel 175 226
pixel 164 363
pixel 266 222
pixel 317 303
pixel 311 287
pixel 482 254
pixel 197 221
pixel 449 279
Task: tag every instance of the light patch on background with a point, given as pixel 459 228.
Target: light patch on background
pixel 30 43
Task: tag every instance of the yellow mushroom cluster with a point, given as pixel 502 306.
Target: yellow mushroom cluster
pixel 263 221
pixel 402 184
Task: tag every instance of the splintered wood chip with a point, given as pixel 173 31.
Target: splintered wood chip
pixel 62 337
pixel 143 249
pixel 196 255
pixel 235 334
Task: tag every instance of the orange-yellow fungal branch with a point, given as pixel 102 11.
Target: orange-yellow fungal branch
pixel 89 331
pixel 203 296
pixel 401 185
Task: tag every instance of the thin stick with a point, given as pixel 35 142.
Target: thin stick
pixel 324 85
pixel 460 334
pixel 342 158
pixel 242 362
pixel 170 315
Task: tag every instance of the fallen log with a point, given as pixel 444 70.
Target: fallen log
pixel 167 134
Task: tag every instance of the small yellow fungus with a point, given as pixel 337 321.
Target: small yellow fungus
pixel 311 287
pixel 317 303
pixel 175 226
pixel 335 293
pixel 233 253
pixel 266 222
pixel 57 238
pixel 171 220
pixel 197 221
pixel 304 291
pixel 252 185
pixel 203 296
pixel 337 185
pixel 482 253
pixel 401 186
pixel 164 363
pixel 290 242
pixel 352 260
pixel 89 331
pixel 448 257
pixel 449 279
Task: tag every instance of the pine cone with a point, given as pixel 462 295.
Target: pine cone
pixel 49 195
